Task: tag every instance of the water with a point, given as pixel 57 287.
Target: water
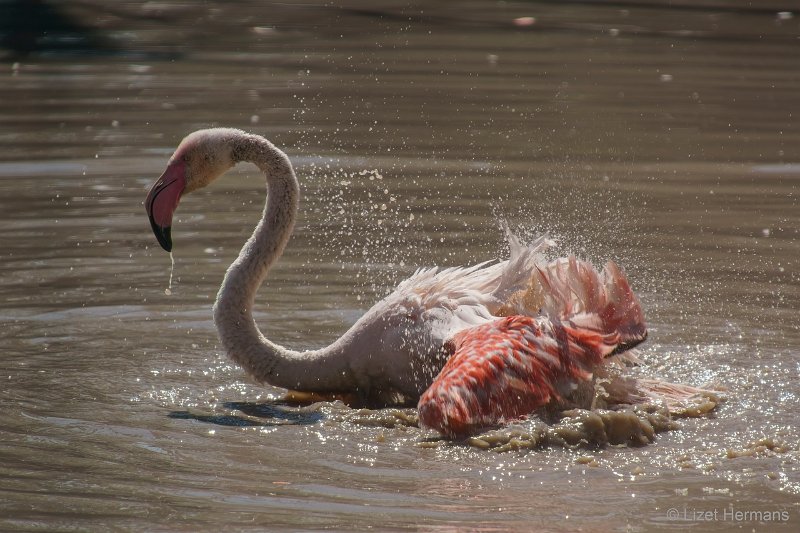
pixel 665 139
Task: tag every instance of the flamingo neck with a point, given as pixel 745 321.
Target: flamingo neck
pixel 266 361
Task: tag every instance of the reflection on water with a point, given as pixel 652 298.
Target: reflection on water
pixel 664 139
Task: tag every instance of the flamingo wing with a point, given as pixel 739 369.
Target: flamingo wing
pixel 508 368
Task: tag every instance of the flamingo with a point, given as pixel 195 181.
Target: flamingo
pixel 473 346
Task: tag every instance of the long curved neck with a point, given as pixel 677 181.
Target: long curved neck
pixel 321 370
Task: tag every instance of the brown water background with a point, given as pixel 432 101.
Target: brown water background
pixel 665 137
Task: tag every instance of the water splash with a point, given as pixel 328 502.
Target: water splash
pixel 168 290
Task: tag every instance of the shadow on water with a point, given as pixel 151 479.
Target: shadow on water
pixel 35 26
pixel 257 415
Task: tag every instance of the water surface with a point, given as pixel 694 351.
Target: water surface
pixel 663 138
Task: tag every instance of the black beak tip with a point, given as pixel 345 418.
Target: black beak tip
pixel 163 234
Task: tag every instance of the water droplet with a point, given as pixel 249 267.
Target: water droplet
pixel 168 290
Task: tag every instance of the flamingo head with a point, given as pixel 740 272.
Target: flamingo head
pixel 201 157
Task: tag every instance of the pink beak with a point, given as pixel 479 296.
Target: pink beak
pixel 162 200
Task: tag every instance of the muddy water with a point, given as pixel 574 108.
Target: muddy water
pixel 666 139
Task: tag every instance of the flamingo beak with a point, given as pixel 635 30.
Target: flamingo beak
pixel 162 200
